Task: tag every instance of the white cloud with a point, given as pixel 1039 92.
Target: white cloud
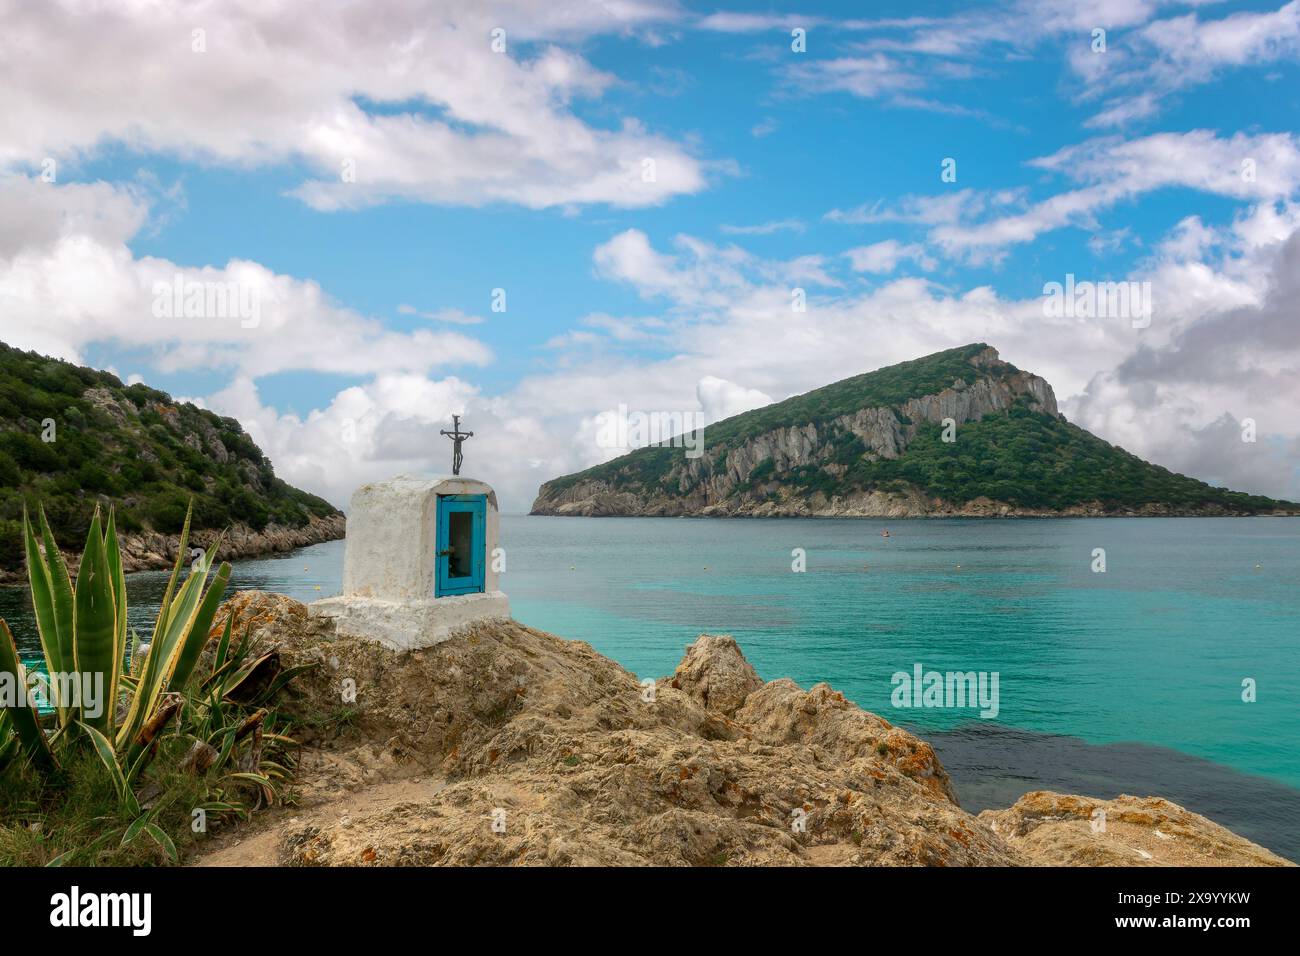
pixel 1191 240
pixel 935 210
pixel 868 76
pixel 764 228
pixel 732 22
pixel 914 62
pixel 700 273
pixel 1175 53
pixel 884 257
pixel 1262 168
pixel 69 279
pixel 414 103
pixel 720 399
pixel 1109 242
pixel 629 256
pixel 366 430
pixel 1237 39
pixel 450 316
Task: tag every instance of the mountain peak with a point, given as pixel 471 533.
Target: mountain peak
pixel 957 432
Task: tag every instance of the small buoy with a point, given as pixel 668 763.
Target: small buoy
pixel 959 567
pixel 706 567
pixel 1258 566
pixel 318 587
pixel 572 568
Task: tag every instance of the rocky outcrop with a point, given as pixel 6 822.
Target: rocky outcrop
pixel 716 674
pixel 1057 830
pixel 103 399
pixel 509 746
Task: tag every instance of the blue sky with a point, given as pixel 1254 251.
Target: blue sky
pixel 774 169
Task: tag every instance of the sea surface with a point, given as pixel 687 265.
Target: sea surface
pixel 1123 681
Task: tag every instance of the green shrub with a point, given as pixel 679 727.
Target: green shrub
pixel 167 510
pixel 29 452
pixel 94 479
pixel 11 543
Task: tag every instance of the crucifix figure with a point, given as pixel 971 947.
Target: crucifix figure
pixel 457 437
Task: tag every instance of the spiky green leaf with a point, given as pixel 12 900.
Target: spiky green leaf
pixel 13 698
pixel 60 587
pixel 193 642
pixel 163 840
pixel 95 651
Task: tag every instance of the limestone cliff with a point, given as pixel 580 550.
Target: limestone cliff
pixel 956 433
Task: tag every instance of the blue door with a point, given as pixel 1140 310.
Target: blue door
pixel 461 523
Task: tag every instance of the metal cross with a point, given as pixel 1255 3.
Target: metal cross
pixel 457 436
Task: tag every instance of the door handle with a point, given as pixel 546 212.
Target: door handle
pixel 443 554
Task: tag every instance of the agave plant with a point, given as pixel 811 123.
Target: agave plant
pixel 217 712
pixel 231 728
pixel 83 634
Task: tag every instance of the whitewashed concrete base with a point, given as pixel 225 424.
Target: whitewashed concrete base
pixel 402 625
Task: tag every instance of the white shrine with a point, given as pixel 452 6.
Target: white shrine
pixel 421 559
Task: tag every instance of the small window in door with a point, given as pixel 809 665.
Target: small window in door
pixel 460 538
pixel 460 555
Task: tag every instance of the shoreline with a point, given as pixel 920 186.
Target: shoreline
pixel 598 499
pixel 150 551
pixel 1031 516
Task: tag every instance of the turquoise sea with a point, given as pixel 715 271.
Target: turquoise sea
pixel 1127 681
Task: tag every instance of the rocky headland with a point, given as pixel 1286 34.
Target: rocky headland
pixel 74 438
pixel 510 746
pixel 960 433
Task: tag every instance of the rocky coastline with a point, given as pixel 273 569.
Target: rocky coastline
pixel 509 746
pixel 152 551
pixel 598 499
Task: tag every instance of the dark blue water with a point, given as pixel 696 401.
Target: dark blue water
pixel 1123 681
